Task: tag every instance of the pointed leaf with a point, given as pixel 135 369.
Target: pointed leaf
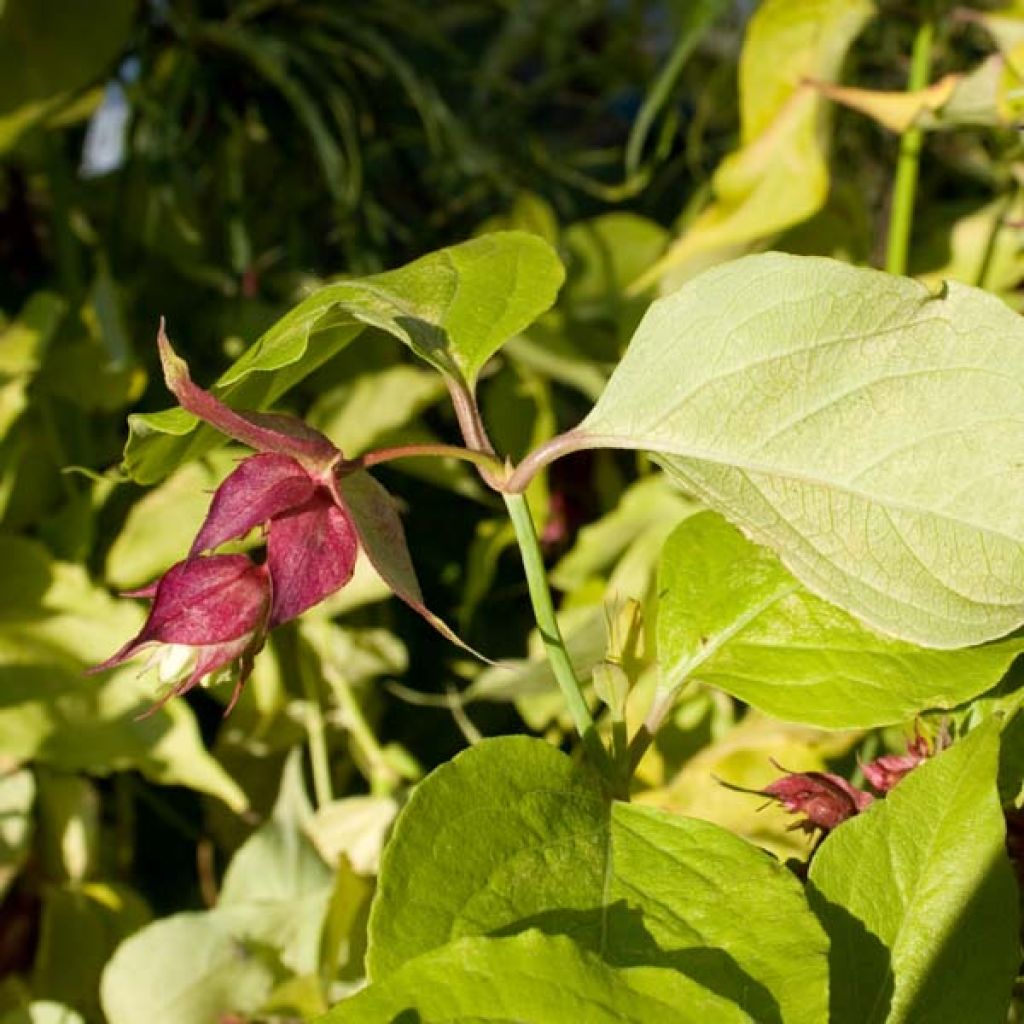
pixel 54 622
pixel 867 430
pixel 919 899
pixel 264 432
pixel 181 970
pixel 455 308
pixel 511 835
pixel 383 539
pixel 730 615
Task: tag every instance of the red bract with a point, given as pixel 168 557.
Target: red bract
pixel 311 539
pixel 208 613
pixel 884 772
pixel 826 800
pixel 316 513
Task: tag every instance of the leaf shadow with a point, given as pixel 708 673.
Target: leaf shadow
pixel 634 946
pixel 856 956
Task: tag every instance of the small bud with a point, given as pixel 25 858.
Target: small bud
pixel 884 772
pixel 826 800
pixel 611 684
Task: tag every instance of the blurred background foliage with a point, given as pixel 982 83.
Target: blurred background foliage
pixel 214 162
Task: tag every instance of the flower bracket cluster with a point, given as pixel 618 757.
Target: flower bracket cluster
pixel 211 613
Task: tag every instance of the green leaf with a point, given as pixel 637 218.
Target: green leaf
pixel 651 504
pixel 48 52
pixel 864 428
pixel 511 834
pixel 454 308
pixel 533 978
pixel 23 345
pixel 784 136
pixel 183 969
pixel 277 888
pixel 17 795
pixel 919 899
pixel 364 411
pixel 54 624
pixel 293 348
pixel 80 927
pixel 730 615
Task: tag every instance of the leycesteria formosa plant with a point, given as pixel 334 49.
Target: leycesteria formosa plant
pixel 823 569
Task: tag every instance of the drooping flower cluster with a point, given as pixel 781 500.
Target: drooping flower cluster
pixel 211 613
pixel 826 800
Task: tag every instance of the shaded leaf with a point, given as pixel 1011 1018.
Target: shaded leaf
pixel 919 899
pixel 729 614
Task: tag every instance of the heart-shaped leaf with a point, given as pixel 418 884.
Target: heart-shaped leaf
pixel 511 835
pixel 869 431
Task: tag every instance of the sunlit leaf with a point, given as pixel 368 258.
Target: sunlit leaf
pixel 779 175
pixel 55 623
pixel 511 834
pixel 865 428
pixel 531 977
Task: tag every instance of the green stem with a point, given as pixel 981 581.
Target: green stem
pixel 383 778
pixel 316 733
pixel 551 634
pixel 901 216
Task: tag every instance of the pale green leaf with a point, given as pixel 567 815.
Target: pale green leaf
pixel 649 504
pixel 361 413
pixel 511 834
pixel 184 969
pixel 160 527
pixel 729 614
pixel 276 889
pixel 23 344
pixel 79 928
pixel 866 429
pixel 784 135
pixel 919 899
pixel 534 979
pixel 42 1012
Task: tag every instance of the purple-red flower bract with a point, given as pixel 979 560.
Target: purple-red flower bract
pixel 824 799
pixel 208 613
pixel 316 512
pixel 884 772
